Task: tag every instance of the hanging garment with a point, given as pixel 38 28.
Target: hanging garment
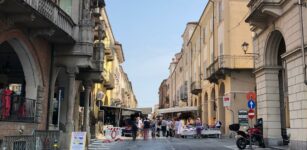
pixel 22 110
pixel 6 102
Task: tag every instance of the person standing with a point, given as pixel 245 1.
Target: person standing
pixel 163 127
pixel 199 127
pixel 178 127
pixel 218 124
pixel 169 128
pixel 153 128
pixel 134 128
pixel 140 126
pixel 146 128
pixel 159 122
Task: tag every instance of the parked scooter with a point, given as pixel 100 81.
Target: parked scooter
pixel 253 134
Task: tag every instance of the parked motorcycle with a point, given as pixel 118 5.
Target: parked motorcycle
pixel 243 138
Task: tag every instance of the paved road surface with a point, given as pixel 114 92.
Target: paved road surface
pixel 168 144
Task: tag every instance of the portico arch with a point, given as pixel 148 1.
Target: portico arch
pixel 28 59
pixel 276 116
pixel 212 107
pixel 29 66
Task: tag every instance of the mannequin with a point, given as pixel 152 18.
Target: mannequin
pixel 6 103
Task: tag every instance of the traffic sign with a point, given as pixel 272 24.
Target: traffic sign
pixel 251 95
pixel 251 104
pixel 251 114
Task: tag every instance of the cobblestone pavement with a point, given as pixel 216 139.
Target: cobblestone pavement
pixel 171 144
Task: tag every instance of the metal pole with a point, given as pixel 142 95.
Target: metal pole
pixel 250 136
pixel 59 109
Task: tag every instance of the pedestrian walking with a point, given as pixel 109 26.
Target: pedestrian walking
pixel 169 128
pixel 153 128
pixel 146 128
pixel 140 126
pixel 134 128
pixel 163 127
pixel 178 127
pixel 158 124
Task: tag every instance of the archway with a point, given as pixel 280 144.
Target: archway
pixel 274 49
pixel 212 108
pixel 19 73
pixel 221 109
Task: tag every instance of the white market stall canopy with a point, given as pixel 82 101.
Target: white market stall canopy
pixel 177 109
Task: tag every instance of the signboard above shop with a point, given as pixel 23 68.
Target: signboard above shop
pixel 226 100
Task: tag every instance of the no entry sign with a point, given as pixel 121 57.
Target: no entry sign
pixel 251 114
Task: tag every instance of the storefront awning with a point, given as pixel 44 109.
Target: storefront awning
pixel 177 109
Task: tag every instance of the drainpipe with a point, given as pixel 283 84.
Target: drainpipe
pixel 213 29
pixel 50 95
pixel 300 3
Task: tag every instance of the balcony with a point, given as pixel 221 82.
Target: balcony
pixel 42 17
pixel 109 81
pixel 98 57
pixel 22 110
pixel 196 87
pixel 225 64
pixel 261 11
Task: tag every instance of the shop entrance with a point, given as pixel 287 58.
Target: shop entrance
pixel 15 104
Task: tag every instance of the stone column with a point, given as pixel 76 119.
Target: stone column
pixel 71 72
pixel 221 113
pixel 86 126
pixel 268 102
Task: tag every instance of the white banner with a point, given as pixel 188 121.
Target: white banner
pixel 113 133
pixel 226 101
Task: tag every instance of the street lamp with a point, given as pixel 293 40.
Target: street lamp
pixel 245 48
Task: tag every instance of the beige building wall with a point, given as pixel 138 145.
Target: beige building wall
pixel 276 40
pixel 213 63
pixel 218 41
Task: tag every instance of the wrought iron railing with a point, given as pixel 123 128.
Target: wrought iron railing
pixel 54 13
pixel 17 108
pixel 40 140
pixel 46 139
pixel 24 142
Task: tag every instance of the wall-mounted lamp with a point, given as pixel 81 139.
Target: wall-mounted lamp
pixel 245 48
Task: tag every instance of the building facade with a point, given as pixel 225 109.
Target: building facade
pixel 212 64
pixel 280 31
pixel 53 53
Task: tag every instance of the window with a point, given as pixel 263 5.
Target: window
pixel 220 9
pixel 211 24
pixel 204 35
pixel 221 49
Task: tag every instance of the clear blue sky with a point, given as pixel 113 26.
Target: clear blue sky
pixel 150 32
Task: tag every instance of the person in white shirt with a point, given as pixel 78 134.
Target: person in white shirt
pixel 140 126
